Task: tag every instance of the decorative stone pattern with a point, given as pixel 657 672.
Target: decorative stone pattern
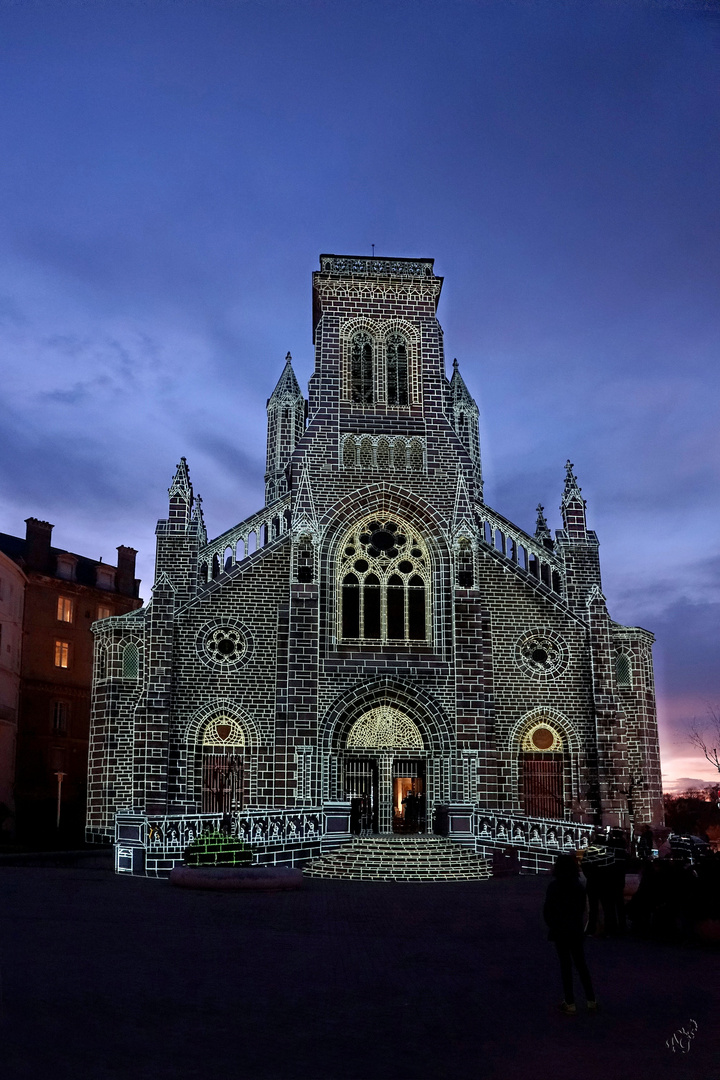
pixel 248 626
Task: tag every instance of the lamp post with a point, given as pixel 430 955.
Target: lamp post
pixel 60 777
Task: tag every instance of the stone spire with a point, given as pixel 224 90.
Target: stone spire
pixel 542 533
pixel 573 506
pixel 286 424
pixel 287 385
pixel 181 496
pixel 465 420
pixel 197 517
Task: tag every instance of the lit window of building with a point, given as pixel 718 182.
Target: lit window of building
pixel 65 609
pixel 62 654
pixel 104 612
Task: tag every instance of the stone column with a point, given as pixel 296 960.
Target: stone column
pixel 385 793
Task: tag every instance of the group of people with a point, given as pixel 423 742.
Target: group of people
pixel 673 897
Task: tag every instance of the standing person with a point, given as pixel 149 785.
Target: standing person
pixel 646 843
pixel 564 913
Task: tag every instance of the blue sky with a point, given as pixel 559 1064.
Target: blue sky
pixel 171 171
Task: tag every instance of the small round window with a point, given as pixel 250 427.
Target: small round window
pixel 223 645
pixel 542 653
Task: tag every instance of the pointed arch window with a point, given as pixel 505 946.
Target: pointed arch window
pixel 131 661
pixel 383 579
pixel 396 355
pixel 361 369
pixel 623 670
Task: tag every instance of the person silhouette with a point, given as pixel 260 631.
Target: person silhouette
pixel 564 913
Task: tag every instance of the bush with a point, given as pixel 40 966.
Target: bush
pixel 218 849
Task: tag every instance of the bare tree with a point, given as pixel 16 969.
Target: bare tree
pixel 706 735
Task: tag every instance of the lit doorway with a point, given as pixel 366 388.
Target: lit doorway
pixel 408 790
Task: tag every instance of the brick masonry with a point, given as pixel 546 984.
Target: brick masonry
pixel 517 629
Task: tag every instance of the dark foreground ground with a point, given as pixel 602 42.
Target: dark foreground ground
pixel 108 977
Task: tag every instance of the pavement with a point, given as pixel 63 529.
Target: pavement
pixel 115 977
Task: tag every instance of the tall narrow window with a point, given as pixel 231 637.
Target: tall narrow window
pixel 348 451
pixel 131 661
pixel 350 606
pixel 62 654
pixel 384 573
pixel 623 670
pixel 65 609
pixel 361 376
pixel 60 717
pixel 397 369
pixel 104 612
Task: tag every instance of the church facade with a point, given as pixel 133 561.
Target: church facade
pixel 376 649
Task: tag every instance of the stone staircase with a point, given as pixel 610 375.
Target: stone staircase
pixel 400 858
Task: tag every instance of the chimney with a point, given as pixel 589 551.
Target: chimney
pixel 125 579
pixel 37 544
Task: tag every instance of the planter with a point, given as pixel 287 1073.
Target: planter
pixel 248 878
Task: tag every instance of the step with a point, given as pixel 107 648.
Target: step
pixel 400 858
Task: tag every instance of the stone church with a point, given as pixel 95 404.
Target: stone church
pixel 376 650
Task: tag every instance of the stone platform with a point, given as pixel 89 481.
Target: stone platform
pixel 400 858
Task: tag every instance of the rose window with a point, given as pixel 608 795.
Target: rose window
pixel 542 653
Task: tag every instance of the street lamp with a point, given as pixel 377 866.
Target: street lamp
pixel 60 777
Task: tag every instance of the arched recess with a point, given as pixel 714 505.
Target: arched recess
pixel 384 583
pixel 206 730
pixel 544 750
pixel 399 363
pixel 389 504
pixel 421 734
pixel 355 335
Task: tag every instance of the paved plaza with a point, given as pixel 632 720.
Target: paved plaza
pixel 108 977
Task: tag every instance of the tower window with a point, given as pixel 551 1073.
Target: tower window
pixel 397 370
pixel 383 583
pixel 361 377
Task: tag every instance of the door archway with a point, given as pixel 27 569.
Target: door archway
pixel 223 766
pixel 385 772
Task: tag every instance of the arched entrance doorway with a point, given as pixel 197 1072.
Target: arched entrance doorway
pixel 385 773
pixel 542 772
pixel 223 760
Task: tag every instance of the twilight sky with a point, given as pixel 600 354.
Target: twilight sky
pixel 170 172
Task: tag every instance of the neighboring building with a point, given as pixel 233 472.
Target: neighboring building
pixel 64 595
pixel 12 599
pixel 376 631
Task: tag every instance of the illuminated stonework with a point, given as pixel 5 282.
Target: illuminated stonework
pixel 375 649
pixel 223 731
pixel 542 738
pixel 542 653
pixel 384 728
pixel 222 644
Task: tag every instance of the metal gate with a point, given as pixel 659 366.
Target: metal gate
pixel 222 789
pixel 542 785
pixel 361 788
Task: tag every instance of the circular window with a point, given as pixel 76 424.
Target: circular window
pixel 223 645
pixel 543 738
pixel 542 653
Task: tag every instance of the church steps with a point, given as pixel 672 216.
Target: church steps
pixel 399 858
